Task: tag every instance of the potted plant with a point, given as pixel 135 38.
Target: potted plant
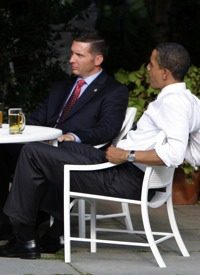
pixel 186 185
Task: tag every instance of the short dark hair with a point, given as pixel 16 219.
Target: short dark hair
pixel 98 44
pixel 175 58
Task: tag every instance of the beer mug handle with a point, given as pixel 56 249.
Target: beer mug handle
pixel 23 120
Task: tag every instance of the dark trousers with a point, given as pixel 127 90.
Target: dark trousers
pixel 38 179
pixel 8 158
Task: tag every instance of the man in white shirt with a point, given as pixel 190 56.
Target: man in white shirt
pixel 174 112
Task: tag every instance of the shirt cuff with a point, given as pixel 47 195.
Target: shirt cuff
pixel 76 138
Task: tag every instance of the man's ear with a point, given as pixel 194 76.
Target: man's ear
pixel 166 74
pixel 98 59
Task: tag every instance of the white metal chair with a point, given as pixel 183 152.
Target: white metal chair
pixel 83 217
pixel 155 177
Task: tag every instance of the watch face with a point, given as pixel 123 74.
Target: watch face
pixel 131 157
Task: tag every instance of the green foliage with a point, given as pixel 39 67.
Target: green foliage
pixel 140 93
pixel 188 170
pixel 192 80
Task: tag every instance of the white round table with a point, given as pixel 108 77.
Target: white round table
pixel 30 133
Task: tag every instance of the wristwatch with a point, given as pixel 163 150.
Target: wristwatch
pixel 131 156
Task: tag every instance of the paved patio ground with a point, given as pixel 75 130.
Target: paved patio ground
pixel 114 260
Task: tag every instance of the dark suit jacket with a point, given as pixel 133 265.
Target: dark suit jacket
pixel 95 118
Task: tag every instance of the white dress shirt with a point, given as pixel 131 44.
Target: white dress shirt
pixel 176 111
pixel 88 81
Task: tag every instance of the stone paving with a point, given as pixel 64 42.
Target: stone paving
pixel 114 260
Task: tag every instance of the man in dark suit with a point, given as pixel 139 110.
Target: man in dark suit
pixel 95 118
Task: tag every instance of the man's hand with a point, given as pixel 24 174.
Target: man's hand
pixel 116 155
pixel 66 137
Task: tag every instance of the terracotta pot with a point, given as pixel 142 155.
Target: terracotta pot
pixel 185 191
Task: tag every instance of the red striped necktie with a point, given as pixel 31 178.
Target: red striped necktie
pixel 72 100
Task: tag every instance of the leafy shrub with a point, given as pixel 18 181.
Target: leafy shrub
pixel 140 93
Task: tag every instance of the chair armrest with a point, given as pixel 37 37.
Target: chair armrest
pixel 88 167
pixel 100 145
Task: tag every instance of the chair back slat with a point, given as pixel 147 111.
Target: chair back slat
pixel 160 176
pixel 127 124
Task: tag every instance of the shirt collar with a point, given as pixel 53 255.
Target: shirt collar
pixel 91 78
pixel 172 88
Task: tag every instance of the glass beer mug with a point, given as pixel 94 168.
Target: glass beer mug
pixel 16 120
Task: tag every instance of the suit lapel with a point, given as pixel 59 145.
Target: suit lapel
pixel 66 89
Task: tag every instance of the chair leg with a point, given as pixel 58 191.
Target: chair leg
pixel 127 216
pixel 81 218
pixel 93 244
pixel 150 238
pixel 175 230
pixel 67 241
